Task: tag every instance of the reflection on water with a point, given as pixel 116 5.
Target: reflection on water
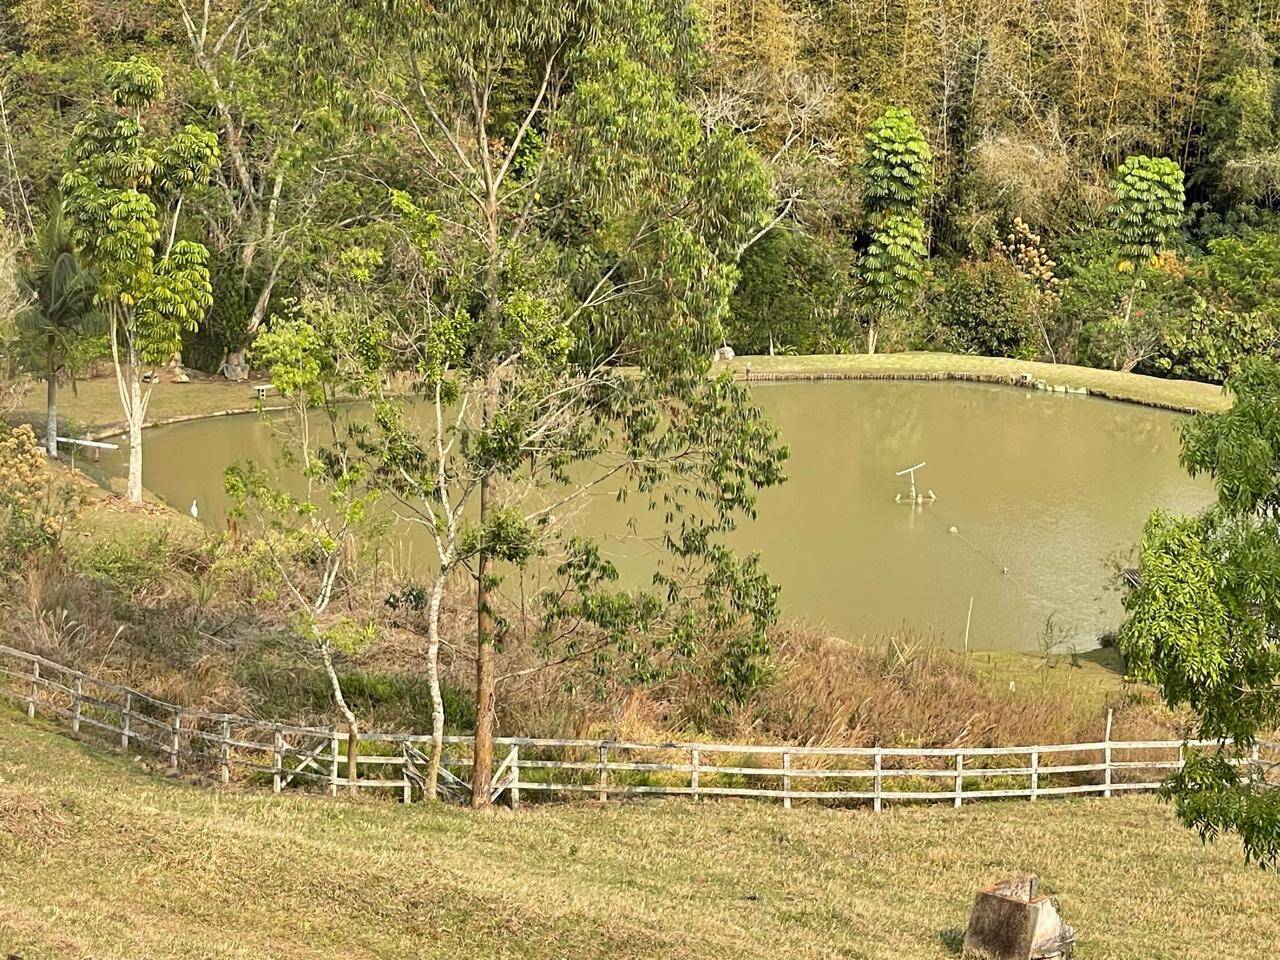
pixel 1041 490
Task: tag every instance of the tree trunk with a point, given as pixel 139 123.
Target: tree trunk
pixel 482 769
pixel 134 415
pixel 51 400
pixel 433 681
pixel 353 756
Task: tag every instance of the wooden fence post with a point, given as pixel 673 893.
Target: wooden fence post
pixel 694 762
pixel 959 777
pixel 786 780
pixel 1106 757
pixel 277 767
pixel 224 748
pixel 126 721
pixel 515 776
pixel 333 762
pixel 877 803
pixel 175 733
pixel 1035 774
pixel 603 790
pixel 77 688
pixel 406 795
pixel 35 689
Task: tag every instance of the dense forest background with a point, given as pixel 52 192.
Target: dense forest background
pixel 1028 108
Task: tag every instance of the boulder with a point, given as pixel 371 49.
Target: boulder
pixel 1010 921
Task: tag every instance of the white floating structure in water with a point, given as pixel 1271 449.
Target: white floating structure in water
pixel 915 497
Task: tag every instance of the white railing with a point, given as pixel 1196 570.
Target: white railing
pixel 292 756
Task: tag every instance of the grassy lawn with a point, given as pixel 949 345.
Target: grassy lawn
pixel 93 409
pixel 1177 394
pixel 99 858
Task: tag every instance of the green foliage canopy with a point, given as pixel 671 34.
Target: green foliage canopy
pixel 1204 625
pixel 115 193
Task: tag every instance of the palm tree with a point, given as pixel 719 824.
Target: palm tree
pixel 61 307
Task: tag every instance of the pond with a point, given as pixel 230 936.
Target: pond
pixel 1038 495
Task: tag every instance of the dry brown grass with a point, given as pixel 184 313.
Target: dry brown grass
pixel 150 610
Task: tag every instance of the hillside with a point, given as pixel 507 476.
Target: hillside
pixel 180 871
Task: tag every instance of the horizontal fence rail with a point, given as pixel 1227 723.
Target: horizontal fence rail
pixel 302 757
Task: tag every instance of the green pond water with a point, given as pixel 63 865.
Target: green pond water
pixel 1044 492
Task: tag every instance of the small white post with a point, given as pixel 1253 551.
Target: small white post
pixel 959 777
pixel 77 686
pixel 967 621
pixel 278 757
pixel 602 793
pixel 1035 774
pixel 224 749
pixel 694 761
pixel 126 721
pixel 175 733
pixel 35 689
pixel 1106 757
pixel 877 803
pixel 786 781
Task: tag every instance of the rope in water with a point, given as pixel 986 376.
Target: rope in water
pixel 1017 581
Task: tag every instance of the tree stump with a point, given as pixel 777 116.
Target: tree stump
pixel 1009 921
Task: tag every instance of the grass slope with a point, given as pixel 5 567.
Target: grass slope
pixel 99 858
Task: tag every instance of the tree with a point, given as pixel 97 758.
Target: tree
pixel 284 151
pixel 61 310
pixel 311 539
pixel 1147 206
pixel 581 219
pixel 896 172
pixel 12 300
pixel 1146 210
pixel 124 198
pixel 789 296
pixel 1204 624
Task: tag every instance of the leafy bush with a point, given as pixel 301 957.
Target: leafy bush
pixel 1236 312
pixel 129 562
pixel 985 308
pixel 1213 343
pixel 1123 315
pixel 29 516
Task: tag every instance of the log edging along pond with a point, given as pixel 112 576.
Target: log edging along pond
pixel 290 756
pixel 1025 381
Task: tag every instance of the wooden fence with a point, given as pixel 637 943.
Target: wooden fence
pixel 293 757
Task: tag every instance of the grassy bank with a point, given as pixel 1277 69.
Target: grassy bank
pixel 142 598
pixel 1154 391
pixel 94 407
pixel 187 872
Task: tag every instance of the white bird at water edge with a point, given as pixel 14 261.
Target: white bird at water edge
pixel 195 511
